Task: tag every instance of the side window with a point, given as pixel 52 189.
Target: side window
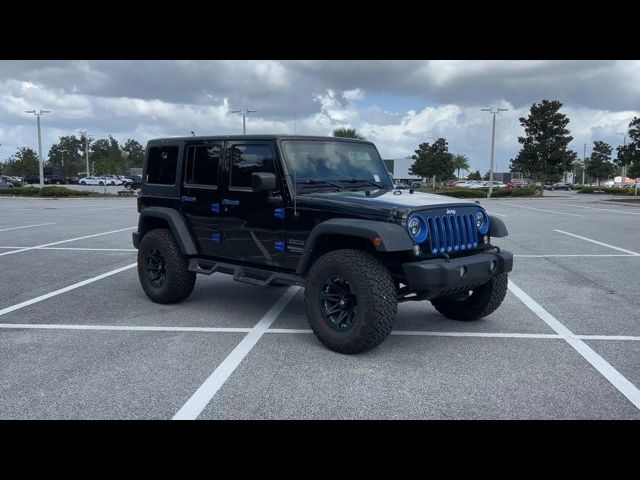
pixel 202 164
pixel 246 159
pixel 161 165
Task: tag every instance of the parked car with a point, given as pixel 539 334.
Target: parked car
pixel 11 180
pixel 91 180
pixel 477 184
pixel 72 180
pixel 135 181
pixel 54 180
pixel 340 231
pixel 417 185
pixel 4 184
pixel 401 186
pixel 111 180
pixel 517 183
pixel 458 184
pixel 561 186
pixel 32 179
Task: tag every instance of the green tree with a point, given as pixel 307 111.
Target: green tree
pixel 461 162
pixel 599 164
pixel 106 156
pixel 347 133
pixel 475 175
pixel 629 155
pixel 545 152
pixel 22 163
pixel 433 161
pixel 134 152
pixel 68 154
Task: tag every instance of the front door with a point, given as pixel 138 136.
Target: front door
pixel 201 188
pixel 253 222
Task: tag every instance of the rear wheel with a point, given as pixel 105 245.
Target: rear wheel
pixel 350 299
pixel 163 269
pixel 474 304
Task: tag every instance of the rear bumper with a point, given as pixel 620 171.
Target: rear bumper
pixel 136 239
pixel 439 277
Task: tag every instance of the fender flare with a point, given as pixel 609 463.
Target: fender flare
pixel 393 237
pixel 176 224
pixel 497 228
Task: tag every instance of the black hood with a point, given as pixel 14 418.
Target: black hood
pixel 380 202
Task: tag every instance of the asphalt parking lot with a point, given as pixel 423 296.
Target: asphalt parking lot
pixel 80 340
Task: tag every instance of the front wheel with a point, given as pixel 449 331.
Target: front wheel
pixel 350 299
pixel 474 304
pixel 101 184
pixel 163 269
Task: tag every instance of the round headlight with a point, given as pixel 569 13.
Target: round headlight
pixel 414 227
pixel 417 228
pixel 482 222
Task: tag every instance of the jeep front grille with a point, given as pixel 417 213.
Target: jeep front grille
pixel 452 233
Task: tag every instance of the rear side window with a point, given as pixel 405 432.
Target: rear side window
pixel 202 164
pixel 247 159
pixel 161 165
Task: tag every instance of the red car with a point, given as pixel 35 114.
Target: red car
pixel 517 183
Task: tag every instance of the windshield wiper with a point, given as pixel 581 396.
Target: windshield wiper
pixel 319 183
pixel 362 180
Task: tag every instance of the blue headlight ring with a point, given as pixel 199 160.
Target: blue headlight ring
pixel 484 229
pixel 424 231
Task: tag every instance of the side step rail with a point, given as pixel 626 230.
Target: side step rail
pixel 253 276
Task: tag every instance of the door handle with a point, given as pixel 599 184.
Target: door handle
pixel 185 198
pixel 230 202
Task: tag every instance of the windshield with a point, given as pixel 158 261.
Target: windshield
pixel 314 161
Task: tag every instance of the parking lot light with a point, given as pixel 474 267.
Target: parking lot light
pixel 493 143
pixel 38 114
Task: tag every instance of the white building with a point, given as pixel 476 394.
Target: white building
pixel 399 168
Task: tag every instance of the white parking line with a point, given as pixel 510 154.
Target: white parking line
pixel 603 209
pixel 618 380
pixel 199 400
pixel 301 331
pixel 65 241
pixel 84 249
pixel 543 210
pixel 26 226
pixel 121 328
pixel 634 254
pixel 573 255
pixel 26 303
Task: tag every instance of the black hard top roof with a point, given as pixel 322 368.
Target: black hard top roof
pixel 250 137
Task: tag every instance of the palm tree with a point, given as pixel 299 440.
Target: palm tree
pixel 461 162
pixel 347 133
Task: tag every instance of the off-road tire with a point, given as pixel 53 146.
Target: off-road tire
pixel 484 300
pixel 178 281
pixel 375 292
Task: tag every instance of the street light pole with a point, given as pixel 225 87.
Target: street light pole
pixel 86 150
pixel 493 144
pixel 623 170
pixel 584 162
pixel 38 114
pixel 244 114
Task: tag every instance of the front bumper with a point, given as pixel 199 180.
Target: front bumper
pixel 440 277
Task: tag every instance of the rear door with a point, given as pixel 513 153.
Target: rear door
pixel 203 179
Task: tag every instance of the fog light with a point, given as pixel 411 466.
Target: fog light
pixel 485 239
pixel 417 250
pixel 492 265
pixel 463 271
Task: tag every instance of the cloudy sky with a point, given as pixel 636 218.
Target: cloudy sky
pixel 396 104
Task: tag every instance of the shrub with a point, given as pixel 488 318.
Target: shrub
pixel 523 192
pixel 501 192
pixel 48 191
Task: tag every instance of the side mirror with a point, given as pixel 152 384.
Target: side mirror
pixel 263 182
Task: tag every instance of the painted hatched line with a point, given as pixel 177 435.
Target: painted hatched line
pixel 65 241
pixel 26 303
pixel 616 379
pixel 634 254
pixel 27 226
pixel 544 210
pixel 201 398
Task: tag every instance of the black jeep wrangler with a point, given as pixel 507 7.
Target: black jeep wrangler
pixel 319 212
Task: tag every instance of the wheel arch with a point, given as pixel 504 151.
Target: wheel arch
pixel 369 235
pixel 162 217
